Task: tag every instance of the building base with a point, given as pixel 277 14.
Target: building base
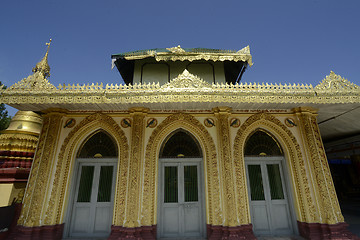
pixel 144 232
pixel 325 231
pixel 53 232
pixel 238 232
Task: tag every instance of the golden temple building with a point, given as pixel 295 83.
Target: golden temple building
pixel 183 149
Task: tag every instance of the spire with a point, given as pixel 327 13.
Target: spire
pixel 43 66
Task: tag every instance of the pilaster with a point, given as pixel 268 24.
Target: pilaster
pixel 133 204
pixel 34 204
pixel 226 165
pixel 329 209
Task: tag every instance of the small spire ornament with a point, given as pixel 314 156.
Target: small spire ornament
pixel 43 66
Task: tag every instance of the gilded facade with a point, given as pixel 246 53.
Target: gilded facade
pixel 163 141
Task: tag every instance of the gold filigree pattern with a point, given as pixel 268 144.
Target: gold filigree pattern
pixel 132 218
pixel 180 54
pixel 65 164
pixel 187 122
pixel 33 206
pixel 303 197
pixel 329 210
pixel 177 49
pixel 226 162
pixel 336 83
pixel 186 80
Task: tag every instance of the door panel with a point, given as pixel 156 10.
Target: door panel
pixel 93 206
pixel 270 211
pixel 181 210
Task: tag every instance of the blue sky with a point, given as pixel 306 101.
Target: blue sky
pixel 291 41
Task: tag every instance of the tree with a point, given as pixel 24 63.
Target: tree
pixel 4 117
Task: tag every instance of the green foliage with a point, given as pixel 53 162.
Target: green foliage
pixel 4 117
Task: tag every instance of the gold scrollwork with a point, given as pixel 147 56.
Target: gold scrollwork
pixel 191 124
pixel 65 164
pixel 303 196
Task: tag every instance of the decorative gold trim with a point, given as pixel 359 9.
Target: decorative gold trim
pixel 149 195
pixel 304 202
pixel 34 201
pixel 186 80
pixel 133 203
pixel 335 83
pixel 226 163
pixel 329 209
pixel 65 165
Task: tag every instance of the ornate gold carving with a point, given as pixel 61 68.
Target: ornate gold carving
pixel 186 80
pixel 185 121
pixel 245 50
pixel 179 54
pixel 65 164
pixel 135 168
pixel 92 96
pixel 335 83
pixel 303 196
pixel 329 210
pixel 43 66
pixel 177 49
pixel 34 202
pixel 227 166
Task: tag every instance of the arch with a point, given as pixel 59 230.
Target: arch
pixel 98 144
pixel 261 143
pixel 304 204
pixel 180 143
pixel 66 159
pixel 212 183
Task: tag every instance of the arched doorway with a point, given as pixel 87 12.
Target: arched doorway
pixel 269 200
pixel 91 211
pixel 181 188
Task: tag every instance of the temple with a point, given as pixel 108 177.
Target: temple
pixel 184 149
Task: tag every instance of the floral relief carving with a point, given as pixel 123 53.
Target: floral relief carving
pixel 137 137
pixel 65 165
pixel 36 191
pixel 191 124
pixel 226 163
pixel 303 196
pixel 329 209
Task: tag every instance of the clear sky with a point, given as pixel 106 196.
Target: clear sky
pixel 291 41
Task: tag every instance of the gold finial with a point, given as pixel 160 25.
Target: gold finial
pixel 43 66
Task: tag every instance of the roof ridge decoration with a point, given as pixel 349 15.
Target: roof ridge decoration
pixel 177 49
pixel 186 80
pixel 336 83
pixel 184 54
pixel 38 80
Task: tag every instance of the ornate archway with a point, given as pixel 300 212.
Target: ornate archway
pixel 65 164
pixel 212 185
pixel 304 205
